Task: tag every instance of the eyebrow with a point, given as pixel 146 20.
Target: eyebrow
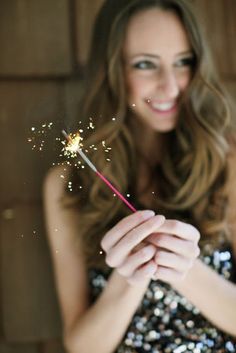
pixel 188 52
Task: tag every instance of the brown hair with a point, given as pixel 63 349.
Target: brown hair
pixel 193 171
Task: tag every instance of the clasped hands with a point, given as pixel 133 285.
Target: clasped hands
pixel 144 246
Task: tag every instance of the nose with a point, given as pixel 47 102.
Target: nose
pixel 167 85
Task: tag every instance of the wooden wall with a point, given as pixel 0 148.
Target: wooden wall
pixel 43 47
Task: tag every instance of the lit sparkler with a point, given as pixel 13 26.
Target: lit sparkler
pixel 74 147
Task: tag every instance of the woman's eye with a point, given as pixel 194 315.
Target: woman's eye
pixel 185 62
pixel 144 65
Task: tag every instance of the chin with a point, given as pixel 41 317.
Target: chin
pixel 163 130
pixel 163 126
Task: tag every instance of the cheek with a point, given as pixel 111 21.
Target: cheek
pixel 184 81
pixel 137 87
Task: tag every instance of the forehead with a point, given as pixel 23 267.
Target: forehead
pixel 155 30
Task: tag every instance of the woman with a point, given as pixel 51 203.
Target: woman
pixel 135 282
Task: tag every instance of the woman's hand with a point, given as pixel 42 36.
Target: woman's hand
pixel 176 250
pixel 125 246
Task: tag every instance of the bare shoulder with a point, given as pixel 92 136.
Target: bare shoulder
pixel 55 181
pixel 64 219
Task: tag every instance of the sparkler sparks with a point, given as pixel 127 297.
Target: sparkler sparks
pixel 70 148
pixel 75 147
pixel 37 138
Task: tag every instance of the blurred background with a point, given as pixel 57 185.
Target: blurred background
pixel 44 46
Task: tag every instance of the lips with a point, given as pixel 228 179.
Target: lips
pixel 164 107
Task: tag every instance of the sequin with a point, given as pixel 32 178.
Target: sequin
pixel 166 322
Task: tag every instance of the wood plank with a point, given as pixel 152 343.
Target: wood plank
pixel 24 105
pixel 85 15
pixel 219 18
pixel 230 37
pixel 35 38
pixel 213 15
pixel 29 304
pixel 73 89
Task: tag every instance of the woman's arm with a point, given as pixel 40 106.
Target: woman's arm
pixel 212 294
pixel 102 326
pixel 98 328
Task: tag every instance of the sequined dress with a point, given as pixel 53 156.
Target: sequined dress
pixel 166 322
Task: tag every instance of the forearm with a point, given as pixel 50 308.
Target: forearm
pixel 212 294
pixel 104 324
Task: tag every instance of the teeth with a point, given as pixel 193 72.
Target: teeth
pixel 163 106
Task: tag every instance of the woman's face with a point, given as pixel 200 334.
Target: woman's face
pixel 158 63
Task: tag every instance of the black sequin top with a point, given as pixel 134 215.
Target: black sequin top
pixel 165 321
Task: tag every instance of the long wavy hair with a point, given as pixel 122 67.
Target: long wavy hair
pixel 192 174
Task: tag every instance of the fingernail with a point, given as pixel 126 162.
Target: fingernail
pixel 148 213
pixel 160 219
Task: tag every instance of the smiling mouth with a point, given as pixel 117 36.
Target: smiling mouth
pixel 165 107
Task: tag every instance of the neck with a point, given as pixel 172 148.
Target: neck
pixel 148 142
pixel 149 148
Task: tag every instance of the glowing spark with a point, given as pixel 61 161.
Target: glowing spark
pixel 71 148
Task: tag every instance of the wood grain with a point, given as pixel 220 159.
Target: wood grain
pixel 35 38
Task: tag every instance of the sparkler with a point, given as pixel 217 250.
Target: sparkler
pixel 74 147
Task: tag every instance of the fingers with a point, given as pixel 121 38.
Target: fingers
pixel 171 243
pixel 135 260
pixel 177 249
pixel 146 271
pixel 169 275
pixel 117 254
pixel 123 227
pixel 172 249
pixel 172 261
pixel 180 229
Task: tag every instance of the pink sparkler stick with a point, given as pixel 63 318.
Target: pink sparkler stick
pixel 101 176
pixel 116 191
